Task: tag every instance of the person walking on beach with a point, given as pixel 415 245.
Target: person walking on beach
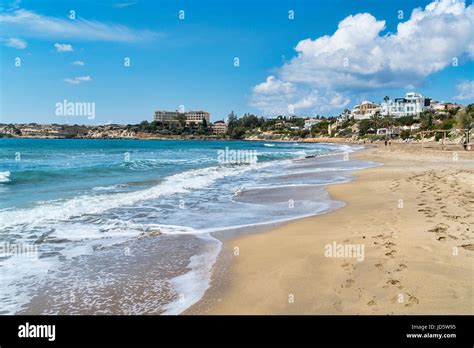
pixel 385 142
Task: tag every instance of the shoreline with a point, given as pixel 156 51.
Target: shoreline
pixel 328 140
pixel 409 265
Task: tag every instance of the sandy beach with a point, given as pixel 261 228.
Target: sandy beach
pixel 414 218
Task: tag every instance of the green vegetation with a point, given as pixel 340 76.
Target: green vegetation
pixel 465 118
pixel 178 128
pixel 281 127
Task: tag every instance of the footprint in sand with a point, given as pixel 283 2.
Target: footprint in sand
pixel 391 253
pixel 412 300
pixel 381 236
pixel 338 305
pixel 391 282
pixel 372 302
pixel 389 245
pixel 439 228
pixel 401 267
pixel 469 247
pixel 349 282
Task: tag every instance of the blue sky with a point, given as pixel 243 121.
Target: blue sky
pixel 190 62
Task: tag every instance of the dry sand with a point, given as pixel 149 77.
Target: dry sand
pixel 415 218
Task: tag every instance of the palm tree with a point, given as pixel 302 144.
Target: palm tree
pixel 426 118
pixel 181 119
pixel 388 121
pixel 375 118
pixel 386 99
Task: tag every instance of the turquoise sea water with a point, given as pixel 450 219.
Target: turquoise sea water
pixel 126 226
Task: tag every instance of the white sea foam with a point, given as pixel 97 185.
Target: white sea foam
pixel 4 177
pixel 86 205
pixel 108 188
pixel 192 285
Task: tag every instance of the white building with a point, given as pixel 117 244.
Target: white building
pixel 411 105
pixel 414 126
pixel 310 122
pixel 392 131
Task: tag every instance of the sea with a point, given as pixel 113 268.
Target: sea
pixel 132 226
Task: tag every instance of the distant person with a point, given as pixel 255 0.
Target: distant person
pixel 385 142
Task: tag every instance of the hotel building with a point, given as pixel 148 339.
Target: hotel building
pixel 172 117
pixel 219 127
pixel 166 116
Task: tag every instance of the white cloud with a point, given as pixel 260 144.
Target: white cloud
pixel 358 58
pixel 16 43
pixel 63 47
pixel 465 90
pixel 273 85
pixel 125 4
pixel 276 97
pixel 84 78
pixel 78 80
pixel 32 24
pixel 78 62
pixel 72 81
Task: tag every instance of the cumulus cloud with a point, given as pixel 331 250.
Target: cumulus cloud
pixel 78 80
pixel 31 24
pixel 465 90
pixel 277 97
pixel 78 62
pixel 358 58
pixel 16 43
pixel 63 47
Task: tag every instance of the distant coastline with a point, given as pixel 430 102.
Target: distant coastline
pixel 445 123
pixel 113 131
pixel 123 132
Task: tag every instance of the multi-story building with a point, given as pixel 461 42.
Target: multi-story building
pixel 166 116
pixel 173 117
pixel 413 104
pixel 365 110
pixel 197 116
pixel 219 127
